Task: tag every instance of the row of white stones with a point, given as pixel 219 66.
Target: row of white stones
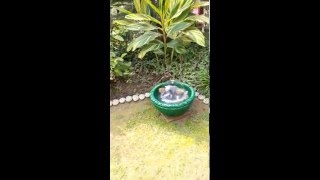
pixel 146 95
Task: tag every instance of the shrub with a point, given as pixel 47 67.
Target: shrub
pixel 118 66
pixel 171 26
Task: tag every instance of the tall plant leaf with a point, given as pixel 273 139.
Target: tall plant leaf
pixel 200 4
pixel 142 40
pixel 196 36
pixel 137 6
pixel 199 18
pixel 141 26
pixel 176 27
pixel 123 10
pixel 148 48
pixel 154 7
pixel 142 17
pixel 180 50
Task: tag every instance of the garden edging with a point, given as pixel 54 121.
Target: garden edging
pixel 141 97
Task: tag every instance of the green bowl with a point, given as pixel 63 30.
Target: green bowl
pixel 175 109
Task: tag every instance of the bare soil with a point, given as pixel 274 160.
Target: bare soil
pixel 136 84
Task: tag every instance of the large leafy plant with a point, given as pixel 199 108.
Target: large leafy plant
pixel 118 66
pixel 165 24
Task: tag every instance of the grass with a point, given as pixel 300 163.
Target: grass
pixel 147 147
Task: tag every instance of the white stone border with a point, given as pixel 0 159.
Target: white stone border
pixel 141 97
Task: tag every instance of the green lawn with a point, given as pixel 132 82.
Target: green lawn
pixel 144 146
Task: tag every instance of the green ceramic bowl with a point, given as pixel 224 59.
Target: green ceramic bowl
pixel 175 109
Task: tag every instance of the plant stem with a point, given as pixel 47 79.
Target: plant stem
pixel 172 52
pixel 165 47
pixel 163 28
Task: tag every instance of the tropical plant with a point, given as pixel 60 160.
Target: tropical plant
pixel 118 66
pixel 172 26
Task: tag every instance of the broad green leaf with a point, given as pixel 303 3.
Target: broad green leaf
pixel 117 37
pixel 123 55
pixel 148 48
pixel 180 50
pixel 177 27
pixel 141 26
pixel 142 17
pixel 174 8
pixel 137 17
pixel 200 4
pixel 136 4
pixel 154 7
pixel 199 18
pixel 123 10
pixel 158 52
pixel 142 40
pixel 196 36
pixel 174 43
pixel 144 7
pixel 122 22
pixel 183 15
pixel 185 40
pixel 186 6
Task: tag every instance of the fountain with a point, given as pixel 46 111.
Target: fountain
pixel 172 98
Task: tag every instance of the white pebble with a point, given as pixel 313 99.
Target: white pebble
pixel 141 96
pixel 128 98
pixel 110 103
pixel 115 102
pixel 201 97
pixel 206 101
pixel 122 100
pixel 197 94
pixel 147 94
pixel 135 97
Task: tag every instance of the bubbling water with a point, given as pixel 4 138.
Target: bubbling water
pixel 173 94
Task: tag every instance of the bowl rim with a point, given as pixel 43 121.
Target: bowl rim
pixel 175 105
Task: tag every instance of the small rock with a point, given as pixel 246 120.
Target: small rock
pixel 180 91
pixel 147 95
pixel 122 100
pixel 128 98
pixel 141 96
pixel 201 97
pixel 162 90
pixel 206 101
pixel 110 103
pixel 135 97
pixel 115 102
pixel 197 94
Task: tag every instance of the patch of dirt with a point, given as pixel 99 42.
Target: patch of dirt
pixel 138 83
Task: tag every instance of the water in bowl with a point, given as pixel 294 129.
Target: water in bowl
pixel 172 94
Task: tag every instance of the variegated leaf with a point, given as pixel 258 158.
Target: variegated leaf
pixel 141 26
pixel 199 18
pixel 122 22
pixel 142 40
pixel 196 36
pixel 200 4
pixel 148 48
pixel 180 50
pixel 177 27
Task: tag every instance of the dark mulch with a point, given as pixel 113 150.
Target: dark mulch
pixel 136 84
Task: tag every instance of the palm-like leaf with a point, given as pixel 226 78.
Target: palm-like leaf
pixel 142 40
pixel 172 18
